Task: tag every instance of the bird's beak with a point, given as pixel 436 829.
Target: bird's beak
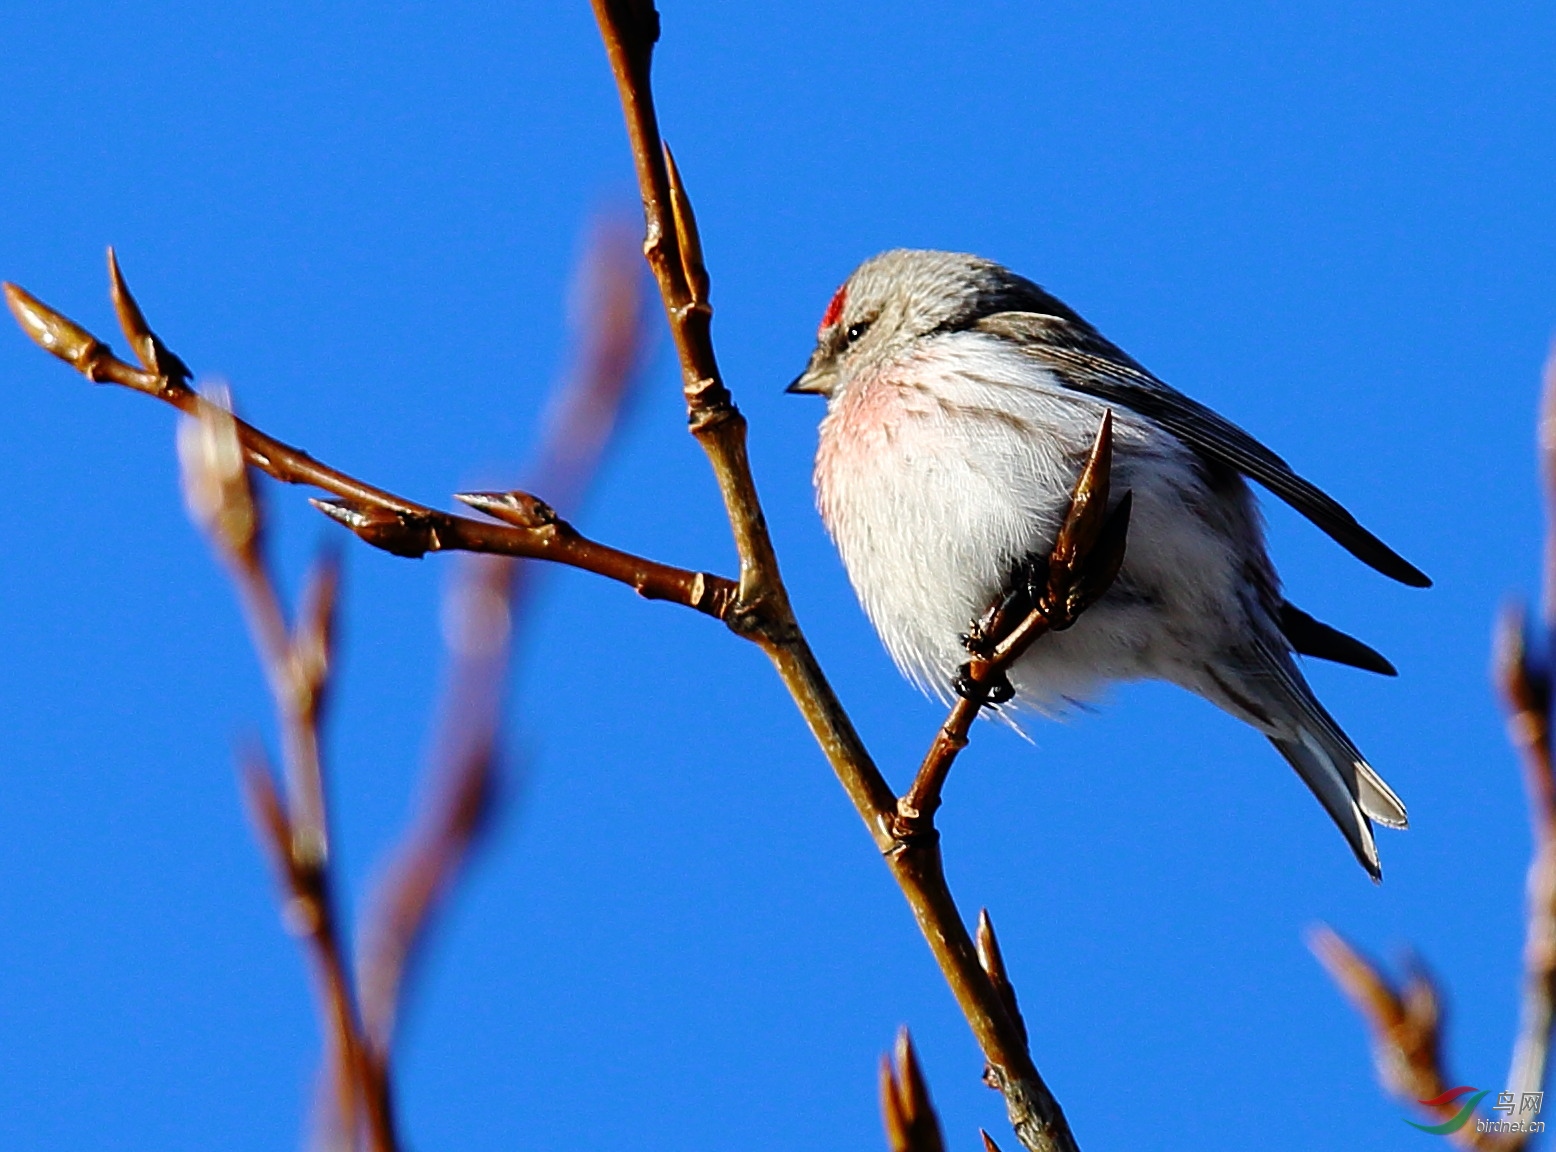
pixel 808 383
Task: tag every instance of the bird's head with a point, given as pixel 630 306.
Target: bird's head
pixel 899 297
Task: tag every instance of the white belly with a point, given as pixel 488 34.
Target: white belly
pixel 938 474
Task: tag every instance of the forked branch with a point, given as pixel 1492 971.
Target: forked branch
pixel 292 820
pixel 363 1003
pixel 630 29
pixel 1405 1021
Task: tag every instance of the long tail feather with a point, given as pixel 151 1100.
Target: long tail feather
pixel 1330 765
pixel 1329 783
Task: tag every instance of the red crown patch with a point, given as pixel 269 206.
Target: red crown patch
pixel 834 308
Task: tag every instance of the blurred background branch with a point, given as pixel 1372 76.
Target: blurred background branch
pixel 362 1006
pixel 1406 1021
pixel 487 602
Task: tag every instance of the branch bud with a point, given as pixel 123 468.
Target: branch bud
pixel 54 333
pixel 687 237
pixel 314 642
pixel 993 962
pixel 517 508
pixel 398 533
pixel 149 350
pixel 911 1123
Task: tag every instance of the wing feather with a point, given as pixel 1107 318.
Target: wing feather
pixel 1085 361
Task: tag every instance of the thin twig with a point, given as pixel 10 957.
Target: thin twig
pixel 762 611
pixel 758 607
pixel 381 518
pixel 1406 1026
pixel 429 860
pixel 360 1029
pixel 485 603
pixel 1525 683
pixel 1526 693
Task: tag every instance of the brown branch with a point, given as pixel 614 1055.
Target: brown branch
pixel 485 604
pixel 359 1029
pixel 308 913
pixel 762 611
pixel 674 253
pixel 1406 1023
pixel 1526 692
pixel 381 518
pixel 610 337
pixel 429 860
pixel 758 607
pixel 424 870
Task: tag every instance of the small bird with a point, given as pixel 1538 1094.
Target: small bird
pixel 962 400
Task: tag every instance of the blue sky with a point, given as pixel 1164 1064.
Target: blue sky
pixel 1331 222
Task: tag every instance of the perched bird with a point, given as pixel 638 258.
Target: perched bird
pixel 962 400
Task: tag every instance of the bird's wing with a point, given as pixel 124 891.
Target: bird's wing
pixel 1085 361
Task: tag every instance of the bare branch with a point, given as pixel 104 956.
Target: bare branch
pixel 1547 447
pixel 610 337
pixel 429 860
pixel 1526 693
pixel 993 962
pixel 1405 1025
pixel 1525 686
pixel 381 518
pixel 222 501
pixel 757 607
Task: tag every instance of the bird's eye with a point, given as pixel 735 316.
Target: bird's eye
pixel 855 331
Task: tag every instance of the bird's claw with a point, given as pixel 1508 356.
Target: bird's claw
pixel 1023 592
pixel 999 691
pixel 995 691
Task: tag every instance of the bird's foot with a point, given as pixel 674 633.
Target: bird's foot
pixel 1024 591
pixel 995 691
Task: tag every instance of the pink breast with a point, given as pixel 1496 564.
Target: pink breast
pixel 861 435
